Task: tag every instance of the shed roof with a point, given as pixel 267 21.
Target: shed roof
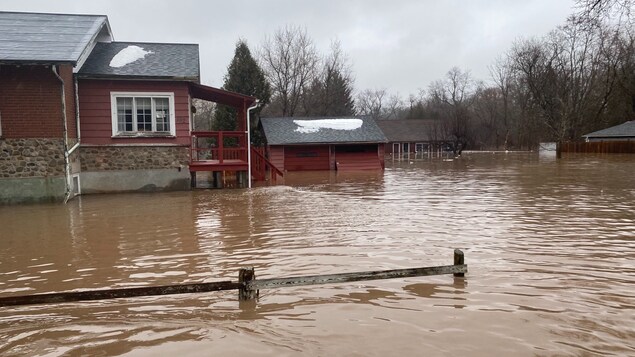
pixel 325 130
pixel 161 61
pixel 411 130
pixel 49 38
pixel 619 131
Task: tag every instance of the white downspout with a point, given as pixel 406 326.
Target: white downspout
pixel 67 164
pixel 78 133
pixel 249 143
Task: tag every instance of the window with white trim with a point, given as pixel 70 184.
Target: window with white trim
pixel 142 114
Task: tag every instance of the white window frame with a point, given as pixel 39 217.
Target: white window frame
pixel 133 95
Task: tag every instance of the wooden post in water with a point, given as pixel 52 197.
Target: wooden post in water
pixel 459 259
pixel 245 276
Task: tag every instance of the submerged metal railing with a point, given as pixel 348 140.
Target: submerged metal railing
pixel 248 286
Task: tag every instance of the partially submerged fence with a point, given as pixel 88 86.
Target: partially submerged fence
pixel 248 286
pixel 599 147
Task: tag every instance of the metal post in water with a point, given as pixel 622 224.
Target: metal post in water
pixel 245 276
pixel 459 259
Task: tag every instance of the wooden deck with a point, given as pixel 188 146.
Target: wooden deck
pixel 226 151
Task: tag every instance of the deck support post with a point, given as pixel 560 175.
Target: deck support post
pixel 193 178
pixel 246 275
pixel 218 179
pixel 459 259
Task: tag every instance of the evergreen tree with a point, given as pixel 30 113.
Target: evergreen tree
pixel 331 91
pixel 243 76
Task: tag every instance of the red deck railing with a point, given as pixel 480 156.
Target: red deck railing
pixel 218 146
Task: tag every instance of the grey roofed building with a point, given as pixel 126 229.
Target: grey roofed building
pixel 50 38
pixel 411 130
pixel 286 131
pixel 162 60
pixel 624 131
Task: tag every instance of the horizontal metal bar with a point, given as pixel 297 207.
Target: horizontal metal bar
pixel 117 293
pixel 349 277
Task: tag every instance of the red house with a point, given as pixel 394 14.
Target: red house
pixel 299 144
pixel 80 113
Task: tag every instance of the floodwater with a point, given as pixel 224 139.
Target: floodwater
pixel 550 246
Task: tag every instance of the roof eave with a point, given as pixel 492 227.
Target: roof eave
pixel 134 77
pixel 93 41
pixel 29 62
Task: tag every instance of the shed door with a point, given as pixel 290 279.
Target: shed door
pixel 302 158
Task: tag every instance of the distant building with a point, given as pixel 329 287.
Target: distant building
pixel 413 136
pixel 622 132
pixel 298 144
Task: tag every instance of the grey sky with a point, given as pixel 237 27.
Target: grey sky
pixel 397 45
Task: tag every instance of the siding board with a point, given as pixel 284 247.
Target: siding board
pixel 95 110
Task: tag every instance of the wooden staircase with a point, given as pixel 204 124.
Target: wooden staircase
pixel 261 168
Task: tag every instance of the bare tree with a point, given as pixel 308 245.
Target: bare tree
pixel 331 91
pixel 379 104
pixel 371 102
pixel 502 74
pixel 569 76
pixel 203 114
pixel 453 96
pixel 289 59
pixel 594 11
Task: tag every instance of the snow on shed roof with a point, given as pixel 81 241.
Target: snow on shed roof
pixel 283 131
pixel 619 131
pixel 49 38
pixel 143 60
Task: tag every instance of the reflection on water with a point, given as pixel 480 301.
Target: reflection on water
pixel 550 245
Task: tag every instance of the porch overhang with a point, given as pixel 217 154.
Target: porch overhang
pixel 221 96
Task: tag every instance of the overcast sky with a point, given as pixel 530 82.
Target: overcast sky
pixel 398 45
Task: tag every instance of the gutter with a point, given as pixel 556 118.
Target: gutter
pixel 67 165
pixel 256 103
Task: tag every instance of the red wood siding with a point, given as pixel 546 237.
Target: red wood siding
pixel 359 157
pixel 276 156
pixel 30 101
pixel 309 157
pixel 96 118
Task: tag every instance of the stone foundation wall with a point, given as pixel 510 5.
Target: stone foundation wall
pixel 36 157
pixel 104 158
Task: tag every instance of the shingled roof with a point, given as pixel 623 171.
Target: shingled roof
pixel 285 131
pixel 411 130
pixel 49 38
pixel 623 130
pixel 161 61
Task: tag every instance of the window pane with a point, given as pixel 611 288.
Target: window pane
pixel 162 111
pixel 144 114
pixel 124 114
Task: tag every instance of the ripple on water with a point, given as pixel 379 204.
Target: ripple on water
pixel 548 243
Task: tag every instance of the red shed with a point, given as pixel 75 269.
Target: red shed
pixel 297 144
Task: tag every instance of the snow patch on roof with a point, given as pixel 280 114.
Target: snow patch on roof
pixel 128 55
pixel 313 126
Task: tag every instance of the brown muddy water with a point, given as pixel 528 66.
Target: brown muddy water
pixel 550 246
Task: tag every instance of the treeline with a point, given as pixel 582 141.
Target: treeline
pixel 577 79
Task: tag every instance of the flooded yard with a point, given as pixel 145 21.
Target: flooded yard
pixel 550 246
